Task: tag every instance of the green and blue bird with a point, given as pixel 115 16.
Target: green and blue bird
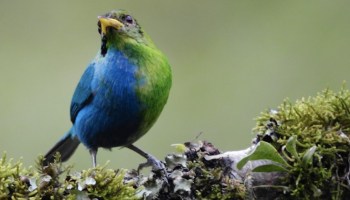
pixel 121 93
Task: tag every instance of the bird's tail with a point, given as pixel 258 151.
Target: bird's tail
pixel 66 147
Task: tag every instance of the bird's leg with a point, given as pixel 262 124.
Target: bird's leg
pixel 93 153
pixel 151 160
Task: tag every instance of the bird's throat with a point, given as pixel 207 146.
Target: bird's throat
pixel 104 45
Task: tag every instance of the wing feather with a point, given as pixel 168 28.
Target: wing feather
pixel 83 94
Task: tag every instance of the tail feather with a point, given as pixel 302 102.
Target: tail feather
pixel 66 147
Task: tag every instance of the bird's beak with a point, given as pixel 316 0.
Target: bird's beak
pixel 109 22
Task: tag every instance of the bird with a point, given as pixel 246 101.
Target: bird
pixel 121 93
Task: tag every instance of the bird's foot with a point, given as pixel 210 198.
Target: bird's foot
pixel 158 168
pixel 153 162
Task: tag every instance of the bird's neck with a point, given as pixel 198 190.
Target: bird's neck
pixel 138 52
pixel 132 47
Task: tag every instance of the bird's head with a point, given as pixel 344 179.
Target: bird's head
pixel 118 27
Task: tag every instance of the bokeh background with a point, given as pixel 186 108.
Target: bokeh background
pixel 231 60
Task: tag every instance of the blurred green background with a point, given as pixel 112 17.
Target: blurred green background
pixel 231 60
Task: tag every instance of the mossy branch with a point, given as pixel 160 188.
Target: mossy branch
pixel 301 151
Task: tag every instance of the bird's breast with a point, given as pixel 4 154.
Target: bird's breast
pixel 115 85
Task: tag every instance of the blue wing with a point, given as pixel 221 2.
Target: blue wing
pixel 83 93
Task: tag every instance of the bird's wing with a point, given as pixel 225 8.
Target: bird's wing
pixel 83 93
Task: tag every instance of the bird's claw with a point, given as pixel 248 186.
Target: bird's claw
pixel 156 164
pixel 158 168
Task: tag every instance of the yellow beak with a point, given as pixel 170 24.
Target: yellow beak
pixel 109 22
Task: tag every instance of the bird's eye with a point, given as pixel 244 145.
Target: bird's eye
pixel 128 19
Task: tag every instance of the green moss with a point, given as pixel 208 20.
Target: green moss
pixel 13 179
pixel 320 127
pixel 58 182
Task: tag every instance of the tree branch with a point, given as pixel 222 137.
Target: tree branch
pixel 301 151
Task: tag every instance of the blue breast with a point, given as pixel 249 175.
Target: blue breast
pixel 115 112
